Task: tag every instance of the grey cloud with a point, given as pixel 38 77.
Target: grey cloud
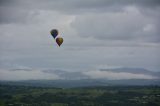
pixel 61 4
pixel 18 10
pixel 20 69
pixel 9 16
pixel 67 74
pixel 133 71
pixel 25 75
pixel 129 25
pixel 117 76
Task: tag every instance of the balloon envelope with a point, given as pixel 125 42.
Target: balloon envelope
pixel 59 41
pixel 54 33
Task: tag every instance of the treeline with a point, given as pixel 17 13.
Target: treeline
pixel 90 96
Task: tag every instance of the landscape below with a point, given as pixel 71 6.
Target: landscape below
pixel 129 95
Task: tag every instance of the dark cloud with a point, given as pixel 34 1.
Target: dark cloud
pixel 20 70
pixel 17 10
pixel 9 16
pixel 67 75
pixel 50 4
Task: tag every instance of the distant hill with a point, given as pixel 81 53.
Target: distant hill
pixel 81 83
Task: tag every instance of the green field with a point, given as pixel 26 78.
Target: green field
pixel 88 96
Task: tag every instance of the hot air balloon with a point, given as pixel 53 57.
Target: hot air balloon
pixel 54 33
pixel 59 41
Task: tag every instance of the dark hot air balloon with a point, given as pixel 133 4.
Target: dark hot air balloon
pixel 54 33
pixel 59 40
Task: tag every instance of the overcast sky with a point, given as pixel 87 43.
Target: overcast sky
pixel 97 34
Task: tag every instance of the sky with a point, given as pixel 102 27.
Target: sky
pixel 97 34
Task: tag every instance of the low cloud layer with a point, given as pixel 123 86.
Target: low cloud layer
pixel 116 76
pixel 25 74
